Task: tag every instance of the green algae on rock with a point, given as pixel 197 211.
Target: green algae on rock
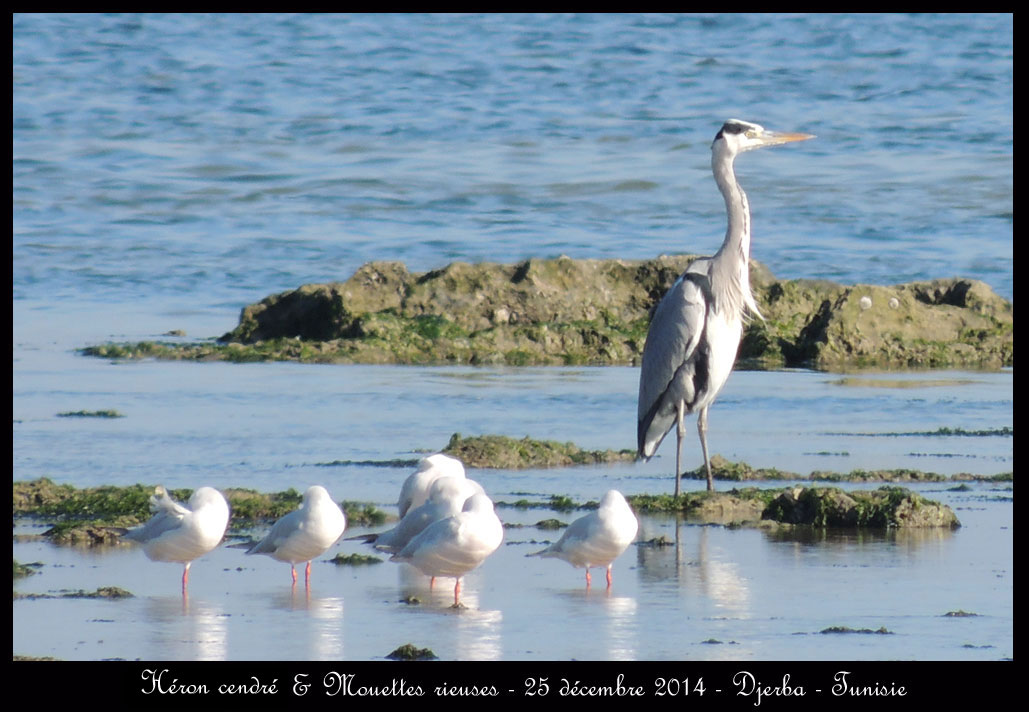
pixel 74 533
pixel 882 508
pixel 24 570
pixel 362 514
pixel 862 631
pixel 91 414
pixel 560 503
pixel 723 469
pixel 734 506
pixel 355 560
pixel 945 323
pixel 505 453
pixel 887 507
pixel 567 311
pixel 409 651
pixel 108 592
pixel 93 516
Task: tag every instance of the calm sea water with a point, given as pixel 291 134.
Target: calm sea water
pixel 206 161
pixel 168 170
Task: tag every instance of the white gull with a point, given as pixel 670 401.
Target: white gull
pixel 306 533
pixel 182 533
pixel 447 496
pixel 456 545
pixel 598 538
pixel 415 489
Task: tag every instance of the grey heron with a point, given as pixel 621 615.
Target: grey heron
pixel 695 331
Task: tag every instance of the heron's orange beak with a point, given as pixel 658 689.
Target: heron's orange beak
pixel 777 138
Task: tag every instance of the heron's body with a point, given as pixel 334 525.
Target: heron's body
pixel 598 538
pixel 182 533
pixel 454 546
pixel 696 328
pixel 305 534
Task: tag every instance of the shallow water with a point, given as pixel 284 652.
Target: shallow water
pixel 169 170
pixel 718 593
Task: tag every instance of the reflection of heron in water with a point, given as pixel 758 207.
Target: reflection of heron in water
pixel 710 575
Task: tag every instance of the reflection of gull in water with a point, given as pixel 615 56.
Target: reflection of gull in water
pixel 479 635
pixel 182 533
pixel 322 639
pixel 623 628
pixel 598 538
pixel 327 636
pixel 415 489
pixel 185 630
pixel 456 545
pixel 447 496
pixel 306 533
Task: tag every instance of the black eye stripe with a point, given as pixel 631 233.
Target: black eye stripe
pixel 733 127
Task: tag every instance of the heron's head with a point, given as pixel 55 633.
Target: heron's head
pixel 737 136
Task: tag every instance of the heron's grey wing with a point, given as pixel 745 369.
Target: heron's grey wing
pixel 675 332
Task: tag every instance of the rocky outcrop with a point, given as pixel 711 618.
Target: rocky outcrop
pixel 564 311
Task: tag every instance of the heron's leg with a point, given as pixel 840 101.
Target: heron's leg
pixel 680 433
pixel 702 430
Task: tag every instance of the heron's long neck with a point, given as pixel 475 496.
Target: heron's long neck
pixel 732 260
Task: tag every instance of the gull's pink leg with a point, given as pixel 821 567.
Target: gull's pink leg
pixel 609 575
pixel 185 576
pixel 432 582
pixel 589 579
pixel 457 592
pixel 293 572
pixel 307 575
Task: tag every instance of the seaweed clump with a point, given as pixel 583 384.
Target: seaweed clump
pixel 409 651
pixel 506 453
